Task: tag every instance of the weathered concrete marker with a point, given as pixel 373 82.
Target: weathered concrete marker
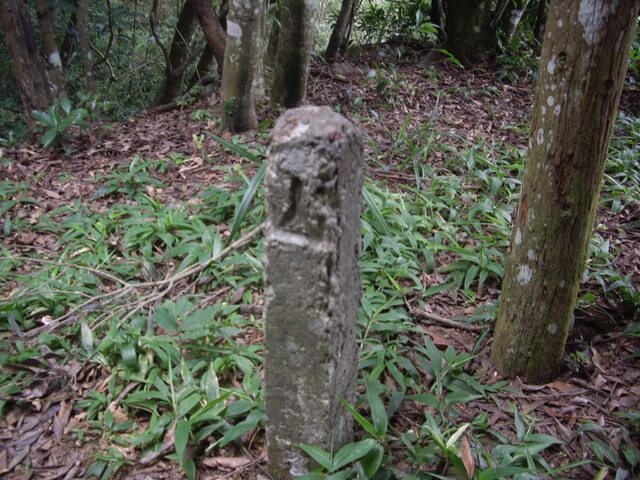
pixel 313 190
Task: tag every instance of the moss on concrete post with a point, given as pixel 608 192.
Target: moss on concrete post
pixel 582 70
pixel 313 191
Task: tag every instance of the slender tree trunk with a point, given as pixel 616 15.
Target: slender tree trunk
pixel 436 16
pixel 240 61
pixel 179 55
pixel 511 18
pixel 20 38
pixel 541 18
pixel 294 52
pixel 340 31
pixel 272 43
pixel 70 36
pixel 55 71
pixel 582 70
pixel 84 41
pixel 258 80
pixel 470 37
pixel 212 28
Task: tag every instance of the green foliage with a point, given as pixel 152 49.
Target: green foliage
pixel 378 22
pixel 56 122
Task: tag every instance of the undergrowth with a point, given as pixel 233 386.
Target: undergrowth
pixel 164 299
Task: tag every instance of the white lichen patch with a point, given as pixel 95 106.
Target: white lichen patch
pixel 551 101
pixel 556 110
pixel 552 328
pixel 540 136
pixel 544 110
pixel 55 60
pixel 592 15
pixel 560 23
pixel 476 28
pixel 518 238
pixel 524 274
pixel 531 255
pixel 233 29
pixel 551 66
pixel 563 284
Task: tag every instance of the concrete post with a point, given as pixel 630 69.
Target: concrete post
pixel 313 191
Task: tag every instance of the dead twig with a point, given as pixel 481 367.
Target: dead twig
pixel 446 322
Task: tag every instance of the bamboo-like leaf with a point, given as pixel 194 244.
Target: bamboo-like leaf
pixel 243 207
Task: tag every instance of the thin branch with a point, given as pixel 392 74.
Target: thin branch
pixel 446 322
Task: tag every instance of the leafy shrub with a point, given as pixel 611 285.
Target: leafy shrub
pixel 57 120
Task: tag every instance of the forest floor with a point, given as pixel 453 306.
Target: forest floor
pixel 47 426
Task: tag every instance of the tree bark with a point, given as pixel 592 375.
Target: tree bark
pixel 84 41
pixel 55 71
pixel 436 16
pixel 582 70
pixel 294 52
pixel 240 64
pixel 179 55
pixel 212 29
pixel 470 37
pixel 27 67
pixel 205 64
pixel 71 36
pixel 340 31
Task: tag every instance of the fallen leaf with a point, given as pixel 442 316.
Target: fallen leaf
pixel 467 457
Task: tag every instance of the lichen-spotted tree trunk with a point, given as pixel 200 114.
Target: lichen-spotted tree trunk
pixel 84 43
pixel 55 71
pixel 20 39
pixel 294 52
pixel 340 33
pixel 179 55
pixel 240 64
pixel 470 35
pixel 582 69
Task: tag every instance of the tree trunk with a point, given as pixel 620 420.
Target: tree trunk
pixel 205 65
pixel 436 14
pixel 582 69
pixel 511 18
pixel 212 29
pixel 272 43
pixel 240 61
pixel 84 41
pixel 541 18
pixel 55 71
pixel 179 55
pixel 71 36
pixel 294 52
pixel 470 37
pixel 19 36
pixel 259 92
pixel 340 31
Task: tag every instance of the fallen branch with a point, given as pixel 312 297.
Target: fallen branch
pixel 446 322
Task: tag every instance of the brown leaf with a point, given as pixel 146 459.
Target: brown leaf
pixel 61 419
pixel 467 457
